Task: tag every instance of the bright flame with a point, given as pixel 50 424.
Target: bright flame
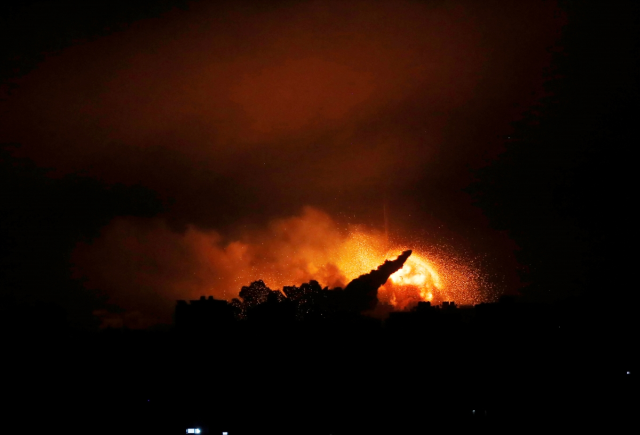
pixel 428 275
pixel 425 276
pixel 135 260
pixel 417 281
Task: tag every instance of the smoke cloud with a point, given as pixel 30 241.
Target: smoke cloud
pixel 234 107
pixel 237 113
pixel 144 266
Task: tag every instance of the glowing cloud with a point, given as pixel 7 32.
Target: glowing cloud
pixel 143 265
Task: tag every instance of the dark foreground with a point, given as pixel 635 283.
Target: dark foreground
pixel 508 367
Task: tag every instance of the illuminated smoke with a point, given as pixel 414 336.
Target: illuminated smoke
pixel 142 265
pixel 433 275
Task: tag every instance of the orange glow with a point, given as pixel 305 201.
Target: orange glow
pixel 432 277
pixel 427 275
pixel 139 261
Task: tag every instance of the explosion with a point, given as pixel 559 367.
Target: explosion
pixel 426 276
pixel 417 280
pixel 431 275
pixel 143 265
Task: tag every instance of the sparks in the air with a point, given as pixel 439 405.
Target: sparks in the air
pixel 428 275
pixel 289 251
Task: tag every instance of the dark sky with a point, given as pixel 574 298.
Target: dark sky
pixel 136 138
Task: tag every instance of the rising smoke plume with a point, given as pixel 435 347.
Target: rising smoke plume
pixel 234 112
pixel 144 266
pixel 365 287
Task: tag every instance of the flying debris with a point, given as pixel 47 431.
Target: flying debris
pixel 364 288
pixel 310 300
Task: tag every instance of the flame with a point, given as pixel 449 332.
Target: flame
pixel 417 281
pixel 432 277
pixel 428 275
pixel 136 260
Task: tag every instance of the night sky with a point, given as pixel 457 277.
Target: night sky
pixel 148 150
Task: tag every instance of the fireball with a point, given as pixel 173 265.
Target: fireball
pixel 424 277
pixel 311 248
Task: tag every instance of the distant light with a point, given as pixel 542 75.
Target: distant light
pixel 225 433
pixel 474 411
pixel 191 431
pixel 628 373
pixel 197 430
